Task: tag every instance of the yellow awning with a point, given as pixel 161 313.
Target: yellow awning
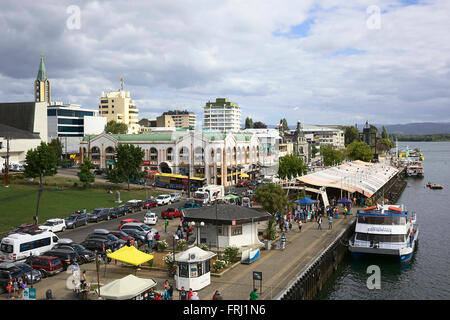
pixel 244 175
pixel 130 255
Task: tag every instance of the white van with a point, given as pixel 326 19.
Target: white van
pixel 209 194
pixel 18 246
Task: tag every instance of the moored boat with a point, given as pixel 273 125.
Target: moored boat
pixel 434 186
pixel 385 230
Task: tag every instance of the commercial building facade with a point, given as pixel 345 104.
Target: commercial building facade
pixel 182 119
pixel 217 157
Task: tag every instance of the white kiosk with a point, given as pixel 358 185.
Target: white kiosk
pixel 193 268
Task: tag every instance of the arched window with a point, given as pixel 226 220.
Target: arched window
pixel 212 156
pixel 170 154
pixel 228 155
pixel 219 155
pixel 153 154
pixel 198 154
pixel 95 152
pixel 234 154
pixel 184 154
pixel 247 155
pixel 257 153
pixel 109 153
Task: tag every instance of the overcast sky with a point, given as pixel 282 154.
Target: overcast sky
pixel 321 62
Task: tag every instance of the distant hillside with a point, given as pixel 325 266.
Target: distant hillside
pixel 417 128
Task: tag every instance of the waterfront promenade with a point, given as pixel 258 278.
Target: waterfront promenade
pixel 279 268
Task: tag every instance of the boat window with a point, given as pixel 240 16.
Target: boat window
pixel 380 237
pixel 382 220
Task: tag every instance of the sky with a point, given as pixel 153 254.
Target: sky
pixel 320 62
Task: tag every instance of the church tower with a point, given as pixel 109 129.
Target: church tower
pixel 42 84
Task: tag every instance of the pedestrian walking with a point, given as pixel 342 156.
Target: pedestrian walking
pixel 283 241
pixel 151 294
pixel 319 223
pixel 15 288
pixel 150 239
pixel 218 295
pixel 9 289
pixel 22 286
pixel 214 295
pixel 290 226
pixel 166 224
pixel 299 225
pixel 195 296
pixel 182 295
pixel 170 291
pixel 330 222
pixel 190 293
pixel 254 294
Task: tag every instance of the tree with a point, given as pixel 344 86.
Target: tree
pixel 116 128
pixel 85 175
pixel 248 123
pixel 284 125
pixel 40 162
pixel 314 150
pixel 384 133
pixel 331 156
pixel 359 151
pixel 259 125
pixel 291 166
pixel 127 164
pixel 384 144
pixel 273 199
pixel 57 147
pixel 351 134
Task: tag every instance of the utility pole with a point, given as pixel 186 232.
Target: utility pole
pixel 7 162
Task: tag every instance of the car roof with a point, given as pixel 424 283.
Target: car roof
pixel 133 224
pixel 101 231
pixel 42 257
pixel 64 241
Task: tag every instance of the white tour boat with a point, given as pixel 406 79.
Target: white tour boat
pixel 385 230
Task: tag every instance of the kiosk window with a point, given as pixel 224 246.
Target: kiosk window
pixel 194 272
pixel 184 272
pixel 236 231
pixel 200 268
pixel 206 266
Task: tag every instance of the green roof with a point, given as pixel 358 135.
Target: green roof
pixel 42 73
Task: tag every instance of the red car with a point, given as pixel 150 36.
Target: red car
pixel 122 222
pixel 122 235
pixel 150 203
pixel 26 228
pixel 242 183
pixel 45 264
pixel 171 213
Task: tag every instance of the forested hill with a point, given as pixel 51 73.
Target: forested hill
pixel 417 128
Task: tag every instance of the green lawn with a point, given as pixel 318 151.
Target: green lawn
pixel 18 202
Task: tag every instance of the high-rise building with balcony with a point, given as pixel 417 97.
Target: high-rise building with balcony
pixel 222 115
pixel 118 106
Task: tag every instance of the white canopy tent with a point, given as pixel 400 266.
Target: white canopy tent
pixel 126 288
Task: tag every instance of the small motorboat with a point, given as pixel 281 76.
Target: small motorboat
pixel 434 186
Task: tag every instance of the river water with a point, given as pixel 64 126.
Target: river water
pixel 427 276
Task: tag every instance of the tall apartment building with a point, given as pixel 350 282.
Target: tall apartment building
pixel 118 106
pixel 182 119
pixel 222 115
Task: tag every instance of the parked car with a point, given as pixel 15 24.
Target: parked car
pixel 105 234
pixel 163 199
pixel 99 171
pixel 122 235
pixel 174 197
pixel 54 225
pixel 99 214
pixel 47 265
pixel 150 203
pixel 138 236
pixel 137 226
pixel 242 183
pixel 150 218
pixel 189 205
pixel 67 258
pixel 84 254
pixel 97 244
pixel 7 273
pixel 25 228
pixel 122 222
pixel 170 213
pixel 118 211
pixel 32 275
pixel 76 220
pixel 134 205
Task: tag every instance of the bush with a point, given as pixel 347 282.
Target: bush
pixel 219 265
pixel 231 254
pixel 181 244
pixel 162 245
pixel 203 246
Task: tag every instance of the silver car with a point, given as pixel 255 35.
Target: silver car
pixel 175 197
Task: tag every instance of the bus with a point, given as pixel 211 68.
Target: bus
pixel 18 246
pixel 178 182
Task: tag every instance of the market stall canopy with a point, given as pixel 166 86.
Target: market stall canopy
pixel 130 255
pixel 244 175
pixel 344 201
pixel 126 288
pixel 229 197
pixel 305 200
pixel 355 176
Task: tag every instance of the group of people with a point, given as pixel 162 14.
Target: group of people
pixel 15 288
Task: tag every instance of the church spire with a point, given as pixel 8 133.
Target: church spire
pixel 42 73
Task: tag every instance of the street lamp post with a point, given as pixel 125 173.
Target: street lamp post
pixel 175 238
